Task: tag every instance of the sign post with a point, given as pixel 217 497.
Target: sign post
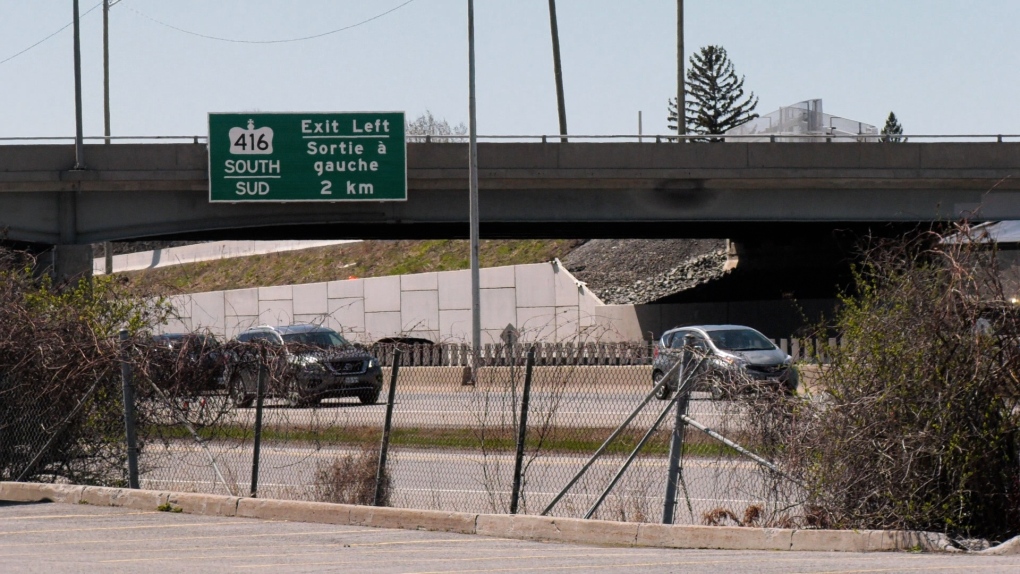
pixel 277 157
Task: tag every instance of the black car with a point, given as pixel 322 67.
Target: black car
pixel 313 363
pixel 188 364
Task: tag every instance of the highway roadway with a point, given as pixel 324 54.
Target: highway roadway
pixel 466 481
pixel 466 406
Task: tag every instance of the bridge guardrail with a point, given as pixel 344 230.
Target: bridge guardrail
pixel 555 138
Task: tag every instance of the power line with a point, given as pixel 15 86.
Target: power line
pixel 236 41
pixel 64 27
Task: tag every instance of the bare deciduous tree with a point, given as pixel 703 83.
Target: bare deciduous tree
pixel 427 125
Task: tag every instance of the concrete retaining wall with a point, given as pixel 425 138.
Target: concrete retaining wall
pixel 543 301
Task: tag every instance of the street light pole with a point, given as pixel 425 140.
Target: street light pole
pixel 681 90
pixel 106 70
pixel 107 246
pixel 476 321
pixel 561 105
pixel 79 153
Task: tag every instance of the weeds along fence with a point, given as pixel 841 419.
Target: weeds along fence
pixel 451 446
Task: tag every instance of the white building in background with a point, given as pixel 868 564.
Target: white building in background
pixel 802 122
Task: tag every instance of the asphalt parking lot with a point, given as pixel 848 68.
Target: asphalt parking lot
pixel 48 537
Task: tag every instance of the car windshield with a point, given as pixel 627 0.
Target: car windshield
pixel 740 340
pixel 320 339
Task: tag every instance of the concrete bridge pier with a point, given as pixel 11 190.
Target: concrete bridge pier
pixel 66 262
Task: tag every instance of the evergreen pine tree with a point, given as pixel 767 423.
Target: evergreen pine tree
pixel 893 130
pixel 715 101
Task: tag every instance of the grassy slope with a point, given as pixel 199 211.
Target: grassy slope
pixel 365 259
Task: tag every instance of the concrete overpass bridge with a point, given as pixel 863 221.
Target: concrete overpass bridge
pixel 587 190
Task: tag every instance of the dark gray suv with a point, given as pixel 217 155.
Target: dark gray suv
pixel 316 363
pixel 726 359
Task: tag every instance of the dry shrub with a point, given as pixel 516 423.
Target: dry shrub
pixel 720 517
pixel 351 479
pixel 753 517
pixel 916 422
pixel 58 344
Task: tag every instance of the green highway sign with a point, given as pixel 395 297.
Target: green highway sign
pixel 342 156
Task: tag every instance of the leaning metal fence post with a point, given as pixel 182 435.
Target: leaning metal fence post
pixel 633 454
pixel 676 444
pixel 522 433
pixel 380 474
pixel 260 399
pixel 655 389
pixel 129 409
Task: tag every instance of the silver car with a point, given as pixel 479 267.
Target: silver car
pixel 722 356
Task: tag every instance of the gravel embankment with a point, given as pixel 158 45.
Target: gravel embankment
pixel 636 271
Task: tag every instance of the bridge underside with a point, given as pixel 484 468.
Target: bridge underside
pixel 741 191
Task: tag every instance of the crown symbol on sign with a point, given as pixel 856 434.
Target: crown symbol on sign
pixel 251 141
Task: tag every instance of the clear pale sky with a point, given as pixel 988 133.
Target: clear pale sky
pixel 944 66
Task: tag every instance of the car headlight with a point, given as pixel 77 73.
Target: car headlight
pixel 788 360
pixel 373 363
pixel 304 360
pixel 727 362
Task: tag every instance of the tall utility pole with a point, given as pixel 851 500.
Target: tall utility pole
pixel 79 153
pixel 107 246
pixel 476 305
pixel 681 90
pixel 558 71
pixel 106 70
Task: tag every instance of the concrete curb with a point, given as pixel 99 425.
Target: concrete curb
pixel 522 527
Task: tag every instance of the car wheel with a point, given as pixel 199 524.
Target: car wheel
pixel 715 387
pixel 294 398
pixel 237 393
pixel 369 397
pixel 664 392
pixel 791 383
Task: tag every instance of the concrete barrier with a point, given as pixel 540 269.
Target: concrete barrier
pixel 523 527
pixel 602 376
pixel 842 541
pixel 293 510
pixel 715 537
pixel 208 504
pixel 1010 547
pixel 412 519
pixel 32 492
pixel 125 497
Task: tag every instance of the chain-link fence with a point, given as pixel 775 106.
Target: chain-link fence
pixel 453 440
pixel 254 420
